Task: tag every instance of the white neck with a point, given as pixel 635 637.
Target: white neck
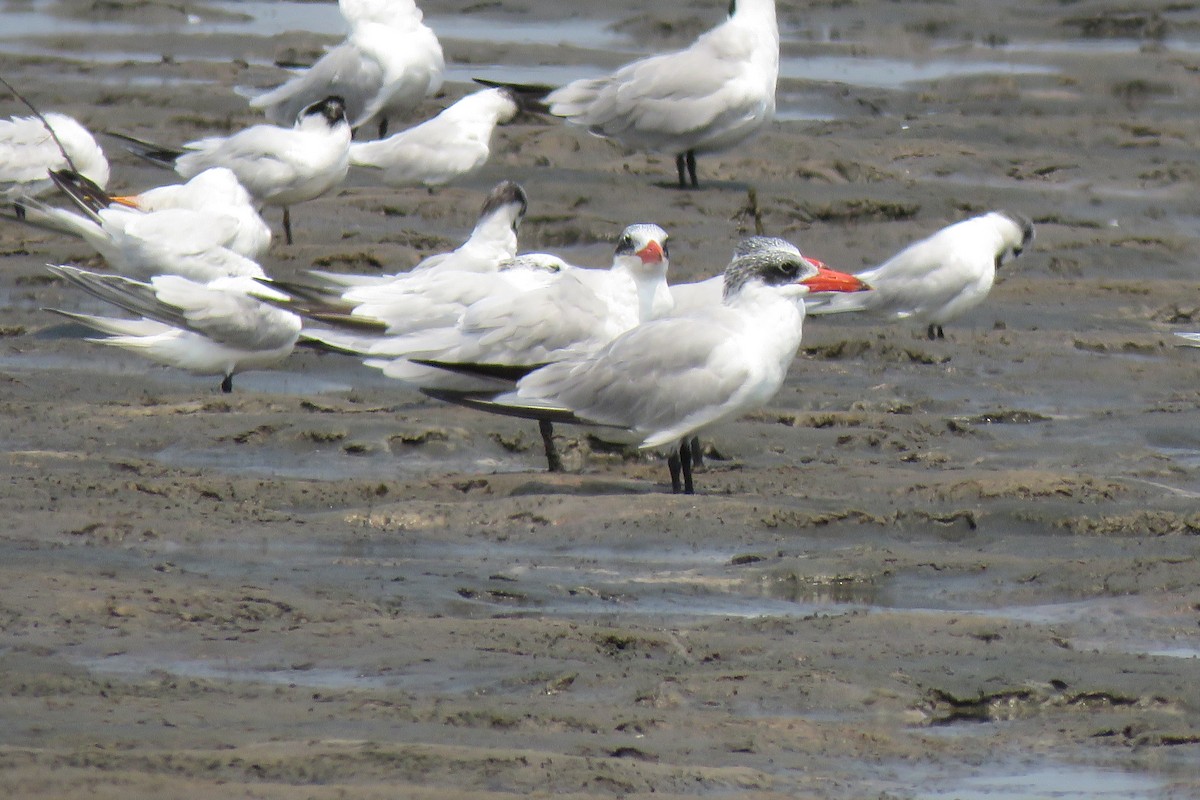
pixel 650 283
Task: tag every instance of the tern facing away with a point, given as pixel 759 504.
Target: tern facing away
pixel 704 99
pixel 455 143
pixel 178 241
pixel 216 328
pixel 215 191
pixel 278 166
pixel 492 241
pixel 434 293
pixel 389 62
pixel 28 151
pixel 658 384
pixel 938 279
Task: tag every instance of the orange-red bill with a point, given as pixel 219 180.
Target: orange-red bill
pixel 651 253
pixel 830 280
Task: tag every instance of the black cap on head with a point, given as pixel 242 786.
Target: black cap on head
pixel 332 108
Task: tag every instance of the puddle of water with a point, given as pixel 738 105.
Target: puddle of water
pixel 894 73
pixel 139 666
pixel 23 27
pixel 1048 780
pixel 1176 652
pixel 1094 47
pixel 582 33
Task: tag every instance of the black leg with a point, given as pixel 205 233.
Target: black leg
pixel 691 167
pixel 697 453
pixel 287 224
pixel 553 459
pixel 681 168
pixel 941 333
pixel 675 467
pixel 382 127
pixel 19 210
pixel 227 384
pixel 685 463
pixel 931 332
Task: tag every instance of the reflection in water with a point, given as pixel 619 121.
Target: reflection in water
pixel 1045 778
pixel 796 589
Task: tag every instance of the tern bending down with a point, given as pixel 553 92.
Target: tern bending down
pixel 938 279
pixel 28 151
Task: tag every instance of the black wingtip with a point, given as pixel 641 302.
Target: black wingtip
pixel 528 96
pixel 503 372
pixel 83 191
pixel 154 153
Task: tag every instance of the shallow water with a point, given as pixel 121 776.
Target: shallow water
pixel 29 30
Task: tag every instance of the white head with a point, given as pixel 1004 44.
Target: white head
pixel 642 249
pixel 1016 234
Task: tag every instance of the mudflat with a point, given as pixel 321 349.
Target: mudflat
pixel 959 568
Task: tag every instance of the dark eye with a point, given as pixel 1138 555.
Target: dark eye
pixel 664 249
pixel 626 243
pixel 788 271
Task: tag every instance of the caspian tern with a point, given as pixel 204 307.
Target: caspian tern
pixel 278 166
pixel 174 241
pixel 389 62
pixel 704 99
pixel 216 328
pixel 661 382
pixel 939 278
pixel 455 143
pixel 28 151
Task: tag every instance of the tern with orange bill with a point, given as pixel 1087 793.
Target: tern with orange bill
pixel 660 383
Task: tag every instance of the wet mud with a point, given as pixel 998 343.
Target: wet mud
pixel 962 568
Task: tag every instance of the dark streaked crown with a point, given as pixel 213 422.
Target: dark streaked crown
pixel 774 262
pixel 504 194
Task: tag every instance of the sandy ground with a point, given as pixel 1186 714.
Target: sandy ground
pixel 928 569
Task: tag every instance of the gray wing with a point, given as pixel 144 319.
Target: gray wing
pixel 345 70
pixel 662 379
